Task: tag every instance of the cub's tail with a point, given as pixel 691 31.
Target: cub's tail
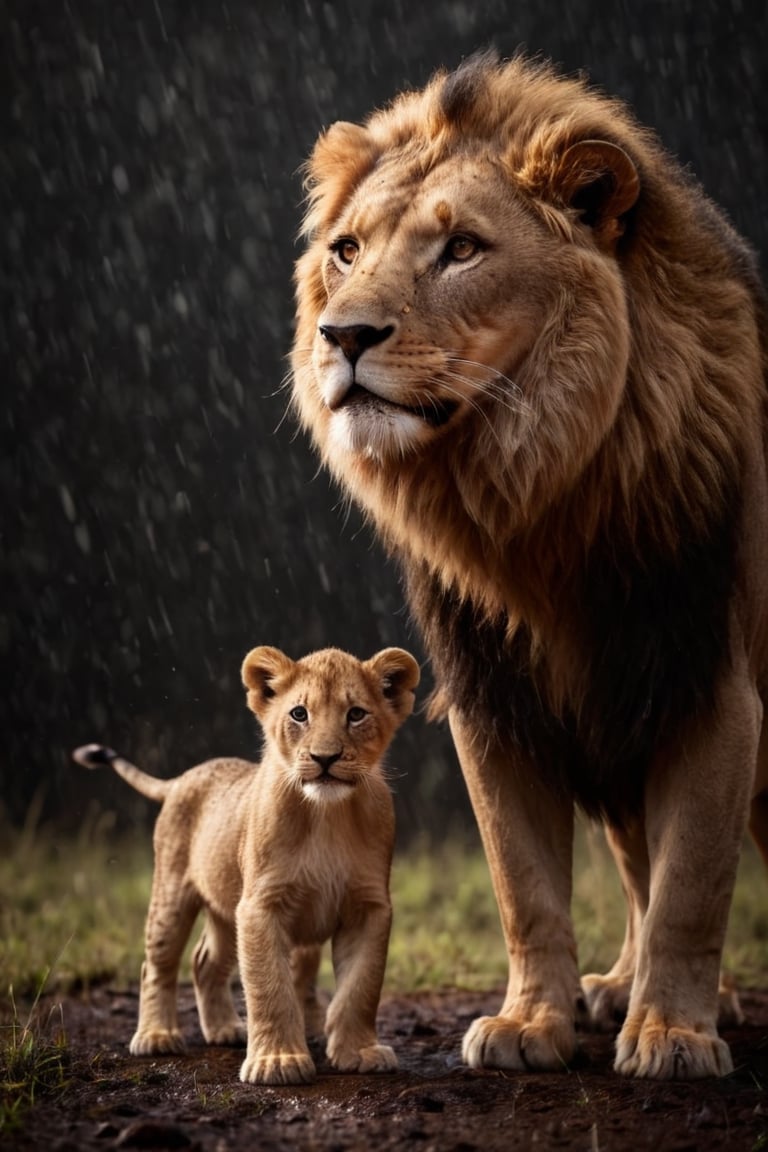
pixel 96 755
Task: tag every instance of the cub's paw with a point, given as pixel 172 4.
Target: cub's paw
pixel 651 1047
pixel 278 1068
pixel 157 1042
pixel 608 999
pixel 544 1044
pixel 372 1058
pixel 227 1035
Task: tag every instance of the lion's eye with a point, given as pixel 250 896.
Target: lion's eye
pixel 346 249
pixel 299 714
pixel 356 715
pixel 460 248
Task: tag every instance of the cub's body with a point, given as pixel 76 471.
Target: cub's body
pixel 282 856
pixel 225 803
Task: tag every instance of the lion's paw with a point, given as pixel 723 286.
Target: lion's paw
pixel 278 1068
pixel 314 1019
pixel 158 1042
pixel 503 1042
pixel 651 1048
pixel 227 1035
pixel 608 999
pixel 372 1058
pixel 729 1010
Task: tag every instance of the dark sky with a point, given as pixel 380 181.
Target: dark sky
pixel 160 516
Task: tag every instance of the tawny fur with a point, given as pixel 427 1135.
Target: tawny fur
pixel 281 856
pixel 533 351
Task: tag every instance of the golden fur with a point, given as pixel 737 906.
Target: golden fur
pixel 282 856
pixel 531 349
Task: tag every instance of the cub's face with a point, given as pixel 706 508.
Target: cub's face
pixel 329 717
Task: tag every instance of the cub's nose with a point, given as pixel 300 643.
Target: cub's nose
pixel 354 339
pixel 325 759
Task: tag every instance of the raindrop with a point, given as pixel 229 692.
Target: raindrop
pixel 147 115
pixel 83 538
pixel 120 179
pixel 180 304
pixel 68 504
pixel 237 284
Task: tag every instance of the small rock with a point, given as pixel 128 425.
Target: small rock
pixel 152 1134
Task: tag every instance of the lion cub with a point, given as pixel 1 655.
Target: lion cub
pixel 282 856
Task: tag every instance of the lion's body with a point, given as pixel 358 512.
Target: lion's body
pixel 282 856
pixel 531 349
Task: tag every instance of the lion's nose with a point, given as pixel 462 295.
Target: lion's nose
pixel 354 339
pixel 325 759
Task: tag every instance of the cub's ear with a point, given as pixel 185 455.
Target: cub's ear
pixel 263 671
pixel 398 674
pixel 600 181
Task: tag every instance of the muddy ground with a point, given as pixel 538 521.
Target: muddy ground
pixel 196 1102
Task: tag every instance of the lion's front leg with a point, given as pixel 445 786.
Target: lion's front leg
pixel 608 995
pixel 359 959
pixel 697 803
pixel 277 1050
pixel 527 833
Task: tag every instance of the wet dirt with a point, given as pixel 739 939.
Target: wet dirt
pixel 196 1102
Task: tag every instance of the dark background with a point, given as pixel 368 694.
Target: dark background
pixel 160 514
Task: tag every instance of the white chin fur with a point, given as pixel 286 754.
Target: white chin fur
pixel 326 793
pixel 376 437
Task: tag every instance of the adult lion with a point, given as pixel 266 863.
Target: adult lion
pixel 529 347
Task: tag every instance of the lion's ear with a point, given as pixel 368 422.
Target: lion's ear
pixel 343 145
pixel 262 672
pixel 342 156
pixel 398 674
pixel 600 181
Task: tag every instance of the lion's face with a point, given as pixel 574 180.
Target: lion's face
pixel 422 322
pixel 329 717
pixel 463 299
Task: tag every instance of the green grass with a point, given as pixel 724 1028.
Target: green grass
pixel 447 933
pixel 33 1061
pixel 71 911
pixel 72 914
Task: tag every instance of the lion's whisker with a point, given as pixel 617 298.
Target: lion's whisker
pixel 471 402
pixel 492 390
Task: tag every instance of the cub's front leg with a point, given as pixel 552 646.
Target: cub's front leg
pixel 527 833
pixel 359 959
pixel 277 1050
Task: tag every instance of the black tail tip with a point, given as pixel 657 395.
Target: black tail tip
pixel 94 755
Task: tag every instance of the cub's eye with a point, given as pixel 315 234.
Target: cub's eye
pixel 345 249
pixel 299 714
pixel 356 715
pixel 460 248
